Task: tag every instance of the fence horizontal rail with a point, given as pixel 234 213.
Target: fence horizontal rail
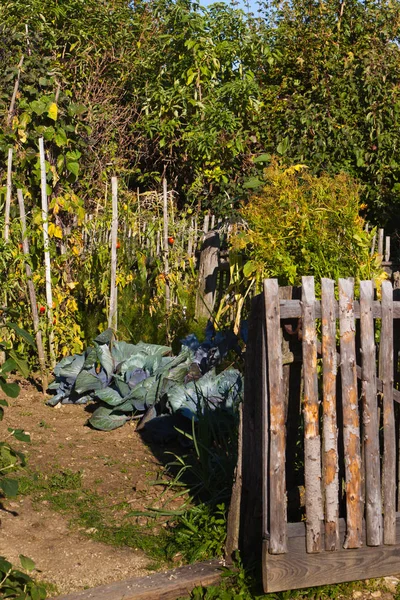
pixel 291 309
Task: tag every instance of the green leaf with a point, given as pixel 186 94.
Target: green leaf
pixel 20 434
pixel 249 268
pixel 104 419
pixel 61 138
pixel 73 167
pixel 20 364
pixel 10 389
pixel 252 183
pixel 283 146
pixel 9 365
pixel 27 563
pixel 22 333
pixel 86 382
pixel 9 487
pixel 263 158
pixel 109 396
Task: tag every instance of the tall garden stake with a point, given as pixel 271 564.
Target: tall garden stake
pixel 32 294
pixel 112 315
pixel 8 196
pixel 45 221
pixel 166 263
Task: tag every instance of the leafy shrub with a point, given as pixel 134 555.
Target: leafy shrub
pixel 16 584
pixel 300 224
pixel 200 533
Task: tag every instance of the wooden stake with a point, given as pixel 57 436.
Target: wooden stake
pixel 277 477
pixel 166 264
pixel 330 432
pixel 47 264
pixel 32 294
pixel 15 92
pixel 312 440
pixel 389 428
pixel 8 196
pixel 370 418
pixel 112 315
pixel 351 420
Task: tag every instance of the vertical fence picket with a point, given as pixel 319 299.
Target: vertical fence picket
pixel 265 430
pixel 330 432
pixel 351 420
pixel 277 477
pixel 389 429
pixel 312 440
pixel 373 501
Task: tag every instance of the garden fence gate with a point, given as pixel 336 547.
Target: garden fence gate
pixel 320 434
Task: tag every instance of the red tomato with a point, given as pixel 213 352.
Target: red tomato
pixel 171 241
pixel 42 310
pixel 118 245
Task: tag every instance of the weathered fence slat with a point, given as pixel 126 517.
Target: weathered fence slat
pixel 312 441
pixel 265 432
pixel 330 432
pixel 277 478
pixel 389 442
pixel 351 421
pixel 370 418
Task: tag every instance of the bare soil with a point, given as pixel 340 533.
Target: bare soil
pixel 116 465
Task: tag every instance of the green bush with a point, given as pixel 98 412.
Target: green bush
pixel 300 224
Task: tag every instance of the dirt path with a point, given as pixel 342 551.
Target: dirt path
pixel 115 466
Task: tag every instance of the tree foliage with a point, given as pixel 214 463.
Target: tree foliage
pixel 162 84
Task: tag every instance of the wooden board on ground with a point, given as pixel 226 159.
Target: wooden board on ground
pixel 160 586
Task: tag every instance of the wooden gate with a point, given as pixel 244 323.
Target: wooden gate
pixel 327 434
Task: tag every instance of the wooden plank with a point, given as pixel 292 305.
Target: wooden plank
pixel 312 440
pixel 297 569
pixel 277 478
pixel 389 429
pixel 291 309
pixel 370 418
pixel 265 431
pixel 330 431
pixel 351 421
pixel 159 586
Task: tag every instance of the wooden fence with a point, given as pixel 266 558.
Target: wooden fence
pixel 320 434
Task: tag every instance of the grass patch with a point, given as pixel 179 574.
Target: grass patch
pixel 92 514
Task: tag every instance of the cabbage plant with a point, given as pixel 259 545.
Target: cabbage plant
pixel 126 379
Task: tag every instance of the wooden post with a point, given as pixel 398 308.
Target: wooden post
pixel 45 221
pixel 208 273
pixel 380 242
pixel 8 196
pixel 15 92
pixel 166 250
pixel 277 477
pixel 265 431
pixel 330 432
pixel 351 421
pixel 387 248
pixel 312 441
pixel 370 418
pixel 389 429
pixel 32 294
pixel 113 310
